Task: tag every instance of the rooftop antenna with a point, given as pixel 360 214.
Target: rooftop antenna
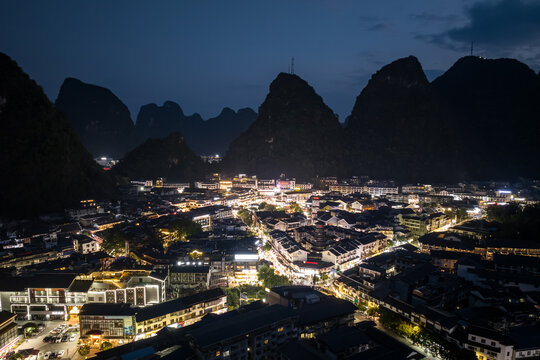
pixel 472 45
pixel 292 65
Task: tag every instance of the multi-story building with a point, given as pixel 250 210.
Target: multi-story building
pixel 189 277
pixel 211 185
pixel 238 268
pixel 254 334
pixel 204 216
pixel 8 332
pixel 44 296
pixel 266 185
pixel 179 312
pixel 287 247
pixel 244 182
pixel 346 188
pixel 422 224
pixel 380 190
pixel 136 287
pixel 318 313
pixel 254 331
pixel 126 322
pixel 111 322
pixel 85 244
pixel 285 184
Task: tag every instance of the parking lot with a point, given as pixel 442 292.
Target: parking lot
pixel 55 331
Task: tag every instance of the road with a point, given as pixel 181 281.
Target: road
pixel 36 342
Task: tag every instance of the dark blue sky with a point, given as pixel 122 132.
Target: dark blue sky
pixel 209 54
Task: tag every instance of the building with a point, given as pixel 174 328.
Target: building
pixel 111 322
pixel 318 313
pixel 189 277
pixel 44 296
pixel 422 224
pixel 136 287
pixel 244 182
pixel 179 312
pixel 240 267
pixel 85 244
pixel 126 322
pixel 488 344
pixel 8 332
pixel 346 188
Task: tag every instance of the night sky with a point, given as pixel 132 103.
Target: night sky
pixel 209 54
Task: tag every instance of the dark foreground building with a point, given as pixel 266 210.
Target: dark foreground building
pixel 294 320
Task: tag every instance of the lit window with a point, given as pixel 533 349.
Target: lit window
pixel 280 329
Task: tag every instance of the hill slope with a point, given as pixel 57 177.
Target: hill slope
pixel 169 158
pixel 45 166
pixel 100 119
pixel 477 121
pixel 295 133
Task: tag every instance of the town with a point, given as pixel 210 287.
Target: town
pixel 250 268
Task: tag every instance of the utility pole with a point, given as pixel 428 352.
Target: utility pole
pixel 472 44
pixel 292 66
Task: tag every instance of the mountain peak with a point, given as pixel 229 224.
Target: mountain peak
pixel 168 157
pixel 102 121
pixel 290 84
pixel 295 133
pixel 227 111
pixel 405 72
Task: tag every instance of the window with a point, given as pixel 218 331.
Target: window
pixel 493 343
pixel 280 329
pixel 483 341
pixel 473 337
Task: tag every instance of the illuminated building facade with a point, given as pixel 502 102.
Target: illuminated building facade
pixel 136 287
pixel 54 296
pixel 8 332
pixel 179 312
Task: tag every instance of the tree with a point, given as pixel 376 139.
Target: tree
pixel 29 328
pixel 516 221
pixel 270 279
pixel 114 240
pixel 16 356
pixel 294 207
pixel 105 346
pixel 84 350
pixel 182 229
pixel 267 246
pixel 373 311
pixel 246 216
pixel 233 298
pixel 266 207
